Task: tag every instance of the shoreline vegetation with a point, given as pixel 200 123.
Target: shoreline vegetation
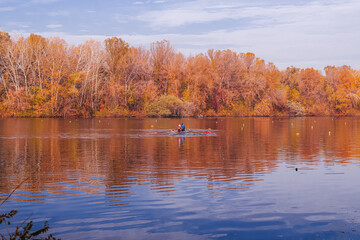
pixel 46 77
pixel 21 231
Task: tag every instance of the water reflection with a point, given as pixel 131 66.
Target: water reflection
pixel 102 177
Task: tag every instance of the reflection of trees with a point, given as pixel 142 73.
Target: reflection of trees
pixel 93 153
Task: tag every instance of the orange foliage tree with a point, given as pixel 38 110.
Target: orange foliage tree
pixel 46 77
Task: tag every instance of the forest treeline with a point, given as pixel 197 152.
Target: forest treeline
pixel 45 77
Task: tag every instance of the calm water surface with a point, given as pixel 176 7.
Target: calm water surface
pixel 135 179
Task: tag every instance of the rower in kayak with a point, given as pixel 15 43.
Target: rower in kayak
pixel 181 128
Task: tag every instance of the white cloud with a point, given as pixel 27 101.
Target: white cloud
pixel 178 17
pixel 199 11
pixel 269 44
pixel 316 34
pixel 202 12
pixel 53 26
pixel 6 9
pixel 44 1
pixel 17 24
pixel 59 13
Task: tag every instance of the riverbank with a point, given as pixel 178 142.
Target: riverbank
pixel 142 116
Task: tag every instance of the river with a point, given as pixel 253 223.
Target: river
pixel 230 178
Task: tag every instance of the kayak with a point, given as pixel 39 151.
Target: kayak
pixel 197 132
pixel 173 133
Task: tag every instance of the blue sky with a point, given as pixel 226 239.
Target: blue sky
pixel 301 33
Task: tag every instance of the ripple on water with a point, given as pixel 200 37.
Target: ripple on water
pixel 136 183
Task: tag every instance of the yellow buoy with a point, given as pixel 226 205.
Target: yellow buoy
pixel 297 134
pixel 152 126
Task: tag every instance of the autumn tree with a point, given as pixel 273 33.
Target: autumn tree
pixel 136 74
pixel 4 42
pixel 198 86
pixel 226 73
pixel 45 77
pixel 342 88
pixel 88 61
pixel 38 44
pixel 312 90
pixel 116 55
pixel 161 55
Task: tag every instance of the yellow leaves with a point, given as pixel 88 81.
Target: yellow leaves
pixel 186 94
pixel 17 102
pixel 112 111
pixel 294 95
pixel 250 55
pixel 239 109
pixel 167 105
pixel 4 40
pixel 37 43
pixel 4 36
pixel 46 77
pixel 342 89
pixel 339 101
pixel 116 49
pixel 263 108
pixel 76 77
pixel 72 91
pixel 36 95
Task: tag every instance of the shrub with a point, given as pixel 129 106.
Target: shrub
pixel 295 108
pixel 189 109
pixel 16 102
pixel 112 111
pixel 239 109
pixel 263 108
pixel 210 113
pixel 22 232
pixel 169 106
pixel 317 109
